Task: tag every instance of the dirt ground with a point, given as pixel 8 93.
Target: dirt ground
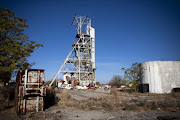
pixel 101 105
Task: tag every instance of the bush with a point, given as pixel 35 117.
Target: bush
pixel 49 98
pixel 65 94
pixel 107 106
pixel 130 108
pixel 114 90
pixel 117 81
pixel 4 98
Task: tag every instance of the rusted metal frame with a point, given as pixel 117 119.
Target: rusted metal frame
pixel 22 103
pixel 43 91
pixel 25 81
pixel 32 88
pixel 20 77
pixel 39 77
pixel 33 94
pixel 24 106
pixel 37 105
pixel 33 83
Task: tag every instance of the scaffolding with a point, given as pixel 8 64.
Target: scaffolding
pixel 80 62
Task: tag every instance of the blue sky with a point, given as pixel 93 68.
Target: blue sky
pixel 127 31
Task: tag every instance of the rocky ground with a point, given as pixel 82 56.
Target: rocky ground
pixel 56 113
pixel 78 104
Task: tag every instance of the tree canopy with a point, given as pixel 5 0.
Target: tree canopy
pixel 117 81
pixel 15 46
pixel 133 74
pixel 97 83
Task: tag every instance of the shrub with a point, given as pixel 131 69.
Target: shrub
pixel 4 98
pixel 114 90
pixel 106 106
pixel 130 108
pixel 65 94
pixel 49 98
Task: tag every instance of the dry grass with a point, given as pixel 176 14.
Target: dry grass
pixel 166 102
pixel 125 102
pixel 56 90
pixel 65 95
pixel 114 90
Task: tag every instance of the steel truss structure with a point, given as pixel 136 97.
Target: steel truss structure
pixel 80 62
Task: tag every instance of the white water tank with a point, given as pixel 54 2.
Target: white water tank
pixel 162 76
pixel 92 35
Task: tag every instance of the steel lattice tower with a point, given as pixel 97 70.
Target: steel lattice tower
pixel 80 62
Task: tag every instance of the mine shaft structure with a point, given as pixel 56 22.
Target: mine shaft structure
pixel 79 64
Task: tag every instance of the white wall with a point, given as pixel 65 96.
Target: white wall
pixel 162 76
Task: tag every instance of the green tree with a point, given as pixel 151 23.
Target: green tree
pixel 14 44
pixel 133 74
pixel 117 81
pixel 97 83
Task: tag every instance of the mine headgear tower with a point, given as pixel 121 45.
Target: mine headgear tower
pixel 80 62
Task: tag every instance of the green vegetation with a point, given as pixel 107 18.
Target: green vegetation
pixel 97 83
pixel 48 82
pixel 15 46
pixel 117 81
pixel 133 75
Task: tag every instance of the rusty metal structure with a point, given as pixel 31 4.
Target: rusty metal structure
pixel 30 91
pixel 80 62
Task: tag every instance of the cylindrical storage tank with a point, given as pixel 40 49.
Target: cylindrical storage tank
pixel 150 76
pixel 92 34
pixel 162 76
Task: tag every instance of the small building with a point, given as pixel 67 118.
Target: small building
pixel 160 76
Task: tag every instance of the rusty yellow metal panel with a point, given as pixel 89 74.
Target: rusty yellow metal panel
pixel 30 91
